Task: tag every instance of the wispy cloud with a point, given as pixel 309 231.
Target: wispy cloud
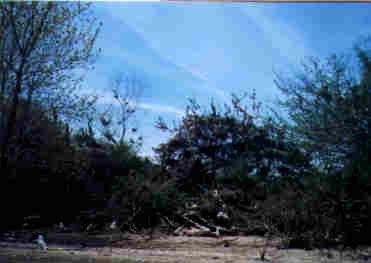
pixel 161 108
pixel 106 98
pixel 154 49
pixel 202 77
pixel 282 36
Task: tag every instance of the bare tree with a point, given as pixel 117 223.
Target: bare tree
pixel 126 90
pixel 40 47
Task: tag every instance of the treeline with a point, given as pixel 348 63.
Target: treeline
pixel 303 175
pixel 42 47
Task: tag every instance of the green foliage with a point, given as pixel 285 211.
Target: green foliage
pixel 227 144
pixel 142 200
pixel 41 49
pixel 329 110
pixel 46 170
pixel 307 179
pixel 328 105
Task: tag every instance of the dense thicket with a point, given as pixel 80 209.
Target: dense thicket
pixel 43 169
pixel 246 159
pixel 328 105
pixel 209 147
pixel 41 49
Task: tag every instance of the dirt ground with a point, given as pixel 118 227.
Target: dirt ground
pixel 227 249
pixel 138 248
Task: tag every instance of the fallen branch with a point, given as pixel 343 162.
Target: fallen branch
pixel 169 222
pixel 201 227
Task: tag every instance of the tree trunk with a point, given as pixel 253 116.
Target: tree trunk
pixel 8 132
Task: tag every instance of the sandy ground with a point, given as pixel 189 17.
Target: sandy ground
pixel 227 249
pixel 138 248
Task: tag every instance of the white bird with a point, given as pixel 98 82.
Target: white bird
pixel 222 215
pixel 89 227
pixel 41 242
pixel 61 227
pixel 217 232
pixel 113 225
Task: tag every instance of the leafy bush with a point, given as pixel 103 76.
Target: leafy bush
pixel 142 199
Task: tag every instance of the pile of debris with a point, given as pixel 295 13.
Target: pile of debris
pixel 194 224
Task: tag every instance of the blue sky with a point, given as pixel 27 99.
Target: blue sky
pixel 209 50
